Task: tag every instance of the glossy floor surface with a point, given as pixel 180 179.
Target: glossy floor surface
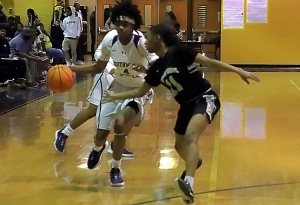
pixel 250 152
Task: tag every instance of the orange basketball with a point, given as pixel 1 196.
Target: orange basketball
pixel 60 78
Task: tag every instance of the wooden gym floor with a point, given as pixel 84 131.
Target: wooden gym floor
pixel 250 152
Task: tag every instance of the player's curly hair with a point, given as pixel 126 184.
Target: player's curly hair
pixel 127 8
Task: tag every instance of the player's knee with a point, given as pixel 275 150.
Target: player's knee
pixel 120 124
pixel 91 111
pixel 190 137
pixel 101 135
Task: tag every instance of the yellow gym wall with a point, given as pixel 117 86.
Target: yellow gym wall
pixel 44 9
pixel 276 42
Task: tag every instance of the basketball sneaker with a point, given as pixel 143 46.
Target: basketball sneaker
pixel 198 166
pixel 126 152
pixel 95 156
pixel 186 191
pixel 60 141
pixel 115 177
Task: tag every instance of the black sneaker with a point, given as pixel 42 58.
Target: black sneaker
pixel 198 166
pixel 60 141
pixel 115 177
pixel 186 191
pixel 94 157
pixel 126 152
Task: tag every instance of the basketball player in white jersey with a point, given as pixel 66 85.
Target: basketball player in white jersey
pixel 101 81
pixel 128 52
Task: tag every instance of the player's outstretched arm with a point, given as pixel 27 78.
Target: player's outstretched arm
pixel 92 69
pixel 219 65
pixel 137 92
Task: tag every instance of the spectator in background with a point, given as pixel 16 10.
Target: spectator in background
pixel 93 33
pixel 170 18
pixel 46 46
pixel 108 23
pixel 177 31
pixel 71 26
pixel 21 46
pixel 81 41
pixel 3 18
pixel 57 34
pixel 14 69
pixel 60 8
pixel 33 18
pixel 19 29
pixel 12 27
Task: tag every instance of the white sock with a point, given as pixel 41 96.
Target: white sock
pixel 68 130
pixel 97 148
pixel 190 180
pixel 116 163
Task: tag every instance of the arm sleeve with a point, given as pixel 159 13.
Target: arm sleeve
pixel 104 53
pixel 152 77
pixel 14 49
pixel 79 27
pixel 62 25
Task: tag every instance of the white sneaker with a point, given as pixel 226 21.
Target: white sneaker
pixel 80 63
pixel 69 63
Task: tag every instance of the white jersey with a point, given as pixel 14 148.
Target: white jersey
pixel 134 52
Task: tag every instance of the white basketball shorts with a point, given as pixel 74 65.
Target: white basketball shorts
pixel 101 82
pixel 106 112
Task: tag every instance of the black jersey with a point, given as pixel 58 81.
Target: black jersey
pixel 178 72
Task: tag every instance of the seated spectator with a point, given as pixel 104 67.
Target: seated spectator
pixel 19 29
pixel 21 46
pixel 12 27
pixel 46 46
pixel 14 69
pixel 3 18
pixel 33 18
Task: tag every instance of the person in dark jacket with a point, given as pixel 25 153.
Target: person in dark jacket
pixel 57 34
pixel 3 18
pixel 93 32
pixel 12 68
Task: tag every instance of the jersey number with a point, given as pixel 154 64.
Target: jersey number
pixel 172 84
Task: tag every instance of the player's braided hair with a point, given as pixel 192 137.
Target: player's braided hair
pixel 127 8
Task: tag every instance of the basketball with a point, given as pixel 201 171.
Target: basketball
pixel 60 78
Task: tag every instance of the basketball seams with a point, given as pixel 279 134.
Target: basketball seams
pixel 56 80
pixel 70 79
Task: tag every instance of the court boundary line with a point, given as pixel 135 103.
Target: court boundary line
pixel 39 98
pixel 298 88
pixel 218 190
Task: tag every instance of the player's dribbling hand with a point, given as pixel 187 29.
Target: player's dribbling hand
pixel 245 75
pixel 107 96
pixel 138 68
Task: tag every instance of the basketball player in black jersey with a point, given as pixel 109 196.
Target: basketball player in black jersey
pixel 176 69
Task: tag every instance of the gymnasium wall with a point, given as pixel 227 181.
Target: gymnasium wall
pixel 276 42
pixel 44 9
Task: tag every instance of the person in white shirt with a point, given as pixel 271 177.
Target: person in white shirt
pixel 129 55
pixel 101 81
pixel 71 26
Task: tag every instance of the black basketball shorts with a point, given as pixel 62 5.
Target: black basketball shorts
pixel 208 103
